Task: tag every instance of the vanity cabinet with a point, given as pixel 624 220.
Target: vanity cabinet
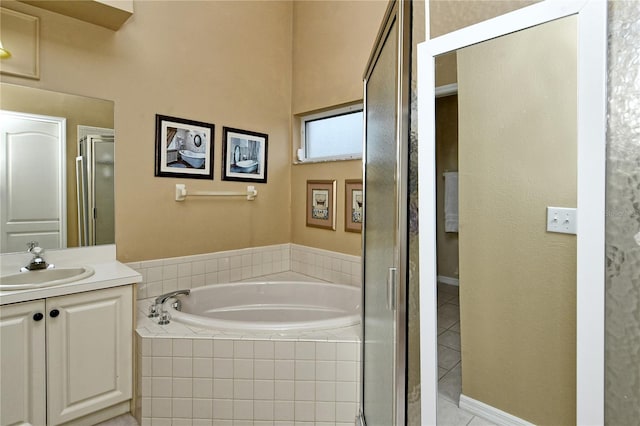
pixel 23 372
pixel 65 357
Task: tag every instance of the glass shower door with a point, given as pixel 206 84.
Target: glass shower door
pixel 384 348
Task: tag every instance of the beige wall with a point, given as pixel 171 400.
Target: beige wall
pixel 223 62
pixel 517 155
pixel 78 110
pixel 446 16
pixel 450 15
pixel 332 41
pixel 248 65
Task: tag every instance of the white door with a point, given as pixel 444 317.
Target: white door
pixel 89 344
pixel 22 371
pixel 32 185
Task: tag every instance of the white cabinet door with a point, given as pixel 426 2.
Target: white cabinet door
pixel 22 372
pixel 89 345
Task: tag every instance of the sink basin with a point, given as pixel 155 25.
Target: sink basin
pixel 44 278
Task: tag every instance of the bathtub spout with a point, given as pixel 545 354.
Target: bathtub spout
pixel 163 298
pixel 157 308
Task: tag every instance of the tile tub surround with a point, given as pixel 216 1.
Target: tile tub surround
pixel 203 377
pixel 160 276
pixel 326 265
pixel 189 375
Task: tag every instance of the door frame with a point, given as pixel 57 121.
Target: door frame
pixel 590 278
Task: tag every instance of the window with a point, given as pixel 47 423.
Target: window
pixel 332 135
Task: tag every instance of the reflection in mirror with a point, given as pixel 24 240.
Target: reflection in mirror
pixel 57 177
pixel 515 154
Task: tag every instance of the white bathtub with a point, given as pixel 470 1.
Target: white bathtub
pixel 194 159
pixel 270 306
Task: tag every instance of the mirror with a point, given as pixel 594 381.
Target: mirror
pixel 57 177
pixel 512 306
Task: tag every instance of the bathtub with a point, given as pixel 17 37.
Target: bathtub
pixel 269 306
pixel 252 352
pixel 194 159
pixel 245 166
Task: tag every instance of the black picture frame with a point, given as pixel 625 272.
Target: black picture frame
pixel 184 148
pixel 244 155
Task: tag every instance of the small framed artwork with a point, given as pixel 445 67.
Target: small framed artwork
pixel 353 205
pixel 184 148
pixel 244 155
pixel 321 204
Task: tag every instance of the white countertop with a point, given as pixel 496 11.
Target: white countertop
pixel 108 272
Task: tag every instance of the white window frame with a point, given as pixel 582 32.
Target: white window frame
pixel 333 112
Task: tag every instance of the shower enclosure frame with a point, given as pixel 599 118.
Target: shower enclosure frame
pixel 590 182
pixel 394 295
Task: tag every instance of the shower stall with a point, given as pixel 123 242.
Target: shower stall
pixel 385 235
pixel 95 183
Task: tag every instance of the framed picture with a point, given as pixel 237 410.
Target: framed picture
pixel 184 148
pixel 353 205
pixel 244 155
pixel 321 204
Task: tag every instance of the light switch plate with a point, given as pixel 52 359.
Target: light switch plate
pixel 562 219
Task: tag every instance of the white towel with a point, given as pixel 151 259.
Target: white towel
pixel 451 202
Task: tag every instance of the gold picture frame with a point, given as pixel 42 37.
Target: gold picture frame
pixel 321 204
pixel 353 205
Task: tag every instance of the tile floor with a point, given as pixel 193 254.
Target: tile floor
pixel 449 367
pixel 123 420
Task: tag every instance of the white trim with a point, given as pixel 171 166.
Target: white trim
pixel 592 126
pixel 329 113
pixel 490 413
pixel 447 90
pixel 591 181
pixel 448 280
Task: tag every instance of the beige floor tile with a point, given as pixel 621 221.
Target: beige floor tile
pixel 123 420
pixel 448 315
pixel 478 421
pixel 448 288
pixel 447 357
pixel 450 385
pixel 442 372
pixel 450 339
pixel 450 415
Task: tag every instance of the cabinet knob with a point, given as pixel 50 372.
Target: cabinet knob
pixel 54 313
pixel 38 316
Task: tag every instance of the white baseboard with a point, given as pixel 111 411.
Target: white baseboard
pixel 490 413
pixel 448 280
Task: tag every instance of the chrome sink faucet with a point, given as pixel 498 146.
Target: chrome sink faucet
pixel 37 262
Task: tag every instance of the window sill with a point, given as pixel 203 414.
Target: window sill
pixel 327 160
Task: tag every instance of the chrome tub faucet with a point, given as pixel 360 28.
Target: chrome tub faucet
pixel 156 309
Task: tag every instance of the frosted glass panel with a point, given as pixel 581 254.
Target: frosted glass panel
pixel 622 340
pixel 104 190
pixel 334 136
pixel 380 236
